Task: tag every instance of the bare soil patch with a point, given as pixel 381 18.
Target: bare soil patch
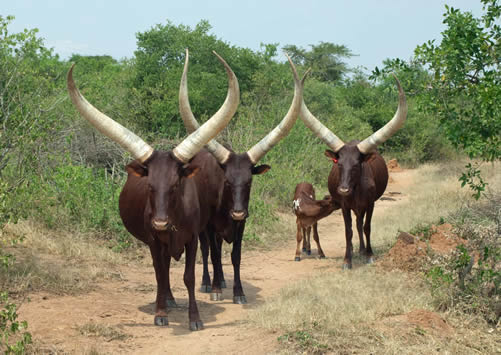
pixel 410 252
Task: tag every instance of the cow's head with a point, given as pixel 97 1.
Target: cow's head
pixel 167 172
pixel 349 165
pixel 238 172
pixel 239 168
pixel 349 157
pixel 166 177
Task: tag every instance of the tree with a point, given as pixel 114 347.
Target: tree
pixel 159 64
pixel 325 60
pixel 464 90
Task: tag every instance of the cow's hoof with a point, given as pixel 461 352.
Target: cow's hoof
pixel 347 266
pixel 304 250
pixel 161 321
pixel 239 300
pixel 321 256
pixel 297 258
pixel 198 325
pixel 223 284
pixel 171 303
pixel 216 296
pixel 370 260
pixel 206 289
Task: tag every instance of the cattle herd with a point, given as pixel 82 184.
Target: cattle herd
pixel 199 191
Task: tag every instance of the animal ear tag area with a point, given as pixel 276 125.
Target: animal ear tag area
pixel 261 169
pixel 334 160
pixel 190 171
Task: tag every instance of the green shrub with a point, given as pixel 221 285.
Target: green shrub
pixel 469 280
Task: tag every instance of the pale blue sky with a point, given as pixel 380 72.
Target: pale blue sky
pixel 373 29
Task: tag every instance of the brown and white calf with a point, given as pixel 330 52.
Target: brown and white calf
pixel 308 211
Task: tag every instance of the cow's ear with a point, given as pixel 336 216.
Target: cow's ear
pixel 369 157
pixel 137 169
pixel 260 169
pixel 331 155
pixel 190 170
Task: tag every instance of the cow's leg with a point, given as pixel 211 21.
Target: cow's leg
pixel 307 238
pixel 367 230
pixel 221 273
pixel 360 224
pixel 238 292
pixel 317 240
pixel 348 234
pixel 299 237
pixel 169 298
pixel 305 242
pixel 215 255
pixel 163 287
pixel 189 281
pixel 204 247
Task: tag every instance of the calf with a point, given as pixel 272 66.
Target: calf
pixel 308 211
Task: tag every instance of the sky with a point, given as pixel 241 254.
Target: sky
pixel 372 29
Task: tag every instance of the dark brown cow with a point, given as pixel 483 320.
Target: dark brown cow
pixel 238 169
pixel 308 212
pixel 169 196
pixel 359 174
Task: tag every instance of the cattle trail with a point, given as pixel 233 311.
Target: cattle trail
pixel 125 306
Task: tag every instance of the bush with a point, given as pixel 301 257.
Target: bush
pixel 469 280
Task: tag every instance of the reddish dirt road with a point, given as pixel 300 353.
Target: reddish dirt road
pixel 124 306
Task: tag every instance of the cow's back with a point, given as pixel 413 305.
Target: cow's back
pixel 379 173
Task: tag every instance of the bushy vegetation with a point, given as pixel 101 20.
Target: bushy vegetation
pixel 469 280
pixel 58 170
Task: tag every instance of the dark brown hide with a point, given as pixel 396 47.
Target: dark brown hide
pixel 167 204
pixel 355 182
pixel 308 212
pixel 228 223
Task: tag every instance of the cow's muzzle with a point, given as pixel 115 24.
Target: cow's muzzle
pixel 343 191
pixel 238 215
pixel 161 224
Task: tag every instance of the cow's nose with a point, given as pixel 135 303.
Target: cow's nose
pixel 343 191
pixel 238 215
pixel 159 224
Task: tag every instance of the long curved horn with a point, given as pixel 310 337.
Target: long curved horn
pixel 196 140
pixel 138 148
pixel 385 132
pixel 320 130
pixel 190 123
pixel 284 127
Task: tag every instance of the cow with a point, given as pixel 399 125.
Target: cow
pixel 238 169
pixel 168 197
pixel 359 174
pixel 308 212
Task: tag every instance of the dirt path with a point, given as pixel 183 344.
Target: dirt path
pixel 124 308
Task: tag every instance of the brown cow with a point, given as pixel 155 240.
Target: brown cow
pixel 308 212
pixel 168 197
pixel 359 174
pixel 238 169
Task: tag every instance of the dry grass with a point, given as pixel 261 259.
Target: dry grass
pixel 434 193
pixel 55 261
pixel 348 312
pixel 99 330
